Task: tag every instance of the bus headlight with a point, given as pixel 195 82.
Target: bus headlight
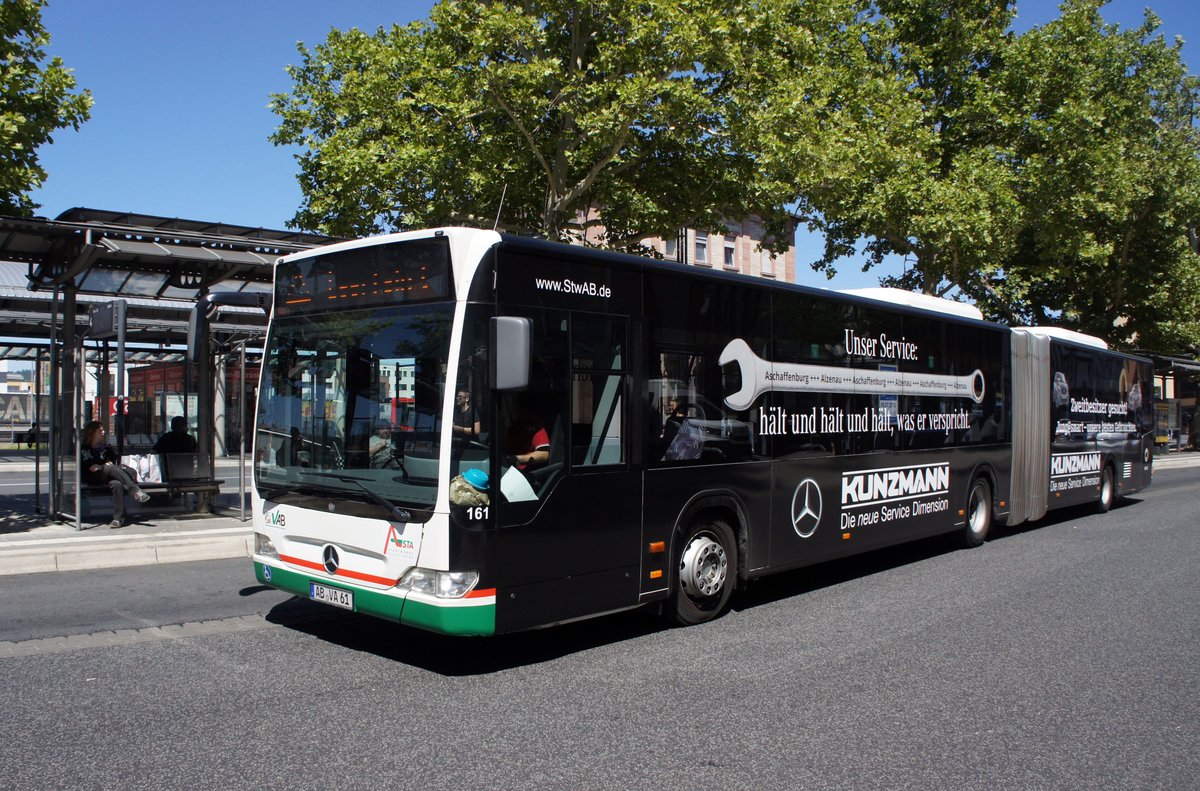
pixel 442 584
pixel 263 546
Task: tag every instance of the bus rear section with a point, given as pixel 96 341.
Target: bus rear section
pixel 1086 433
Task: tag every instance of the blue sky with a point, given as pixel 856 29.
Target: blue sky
pixel 180 122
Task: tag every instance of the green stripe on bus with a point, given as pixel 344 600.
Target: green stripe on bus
pixel 476 621
pixel 366 601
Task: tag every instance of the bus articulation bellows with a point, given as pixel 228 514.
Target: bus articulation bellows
pixel 585 432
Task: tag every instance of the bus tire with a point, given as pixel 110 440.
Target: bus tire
pixel 705 569
pixel 979 513
pixel 1108 490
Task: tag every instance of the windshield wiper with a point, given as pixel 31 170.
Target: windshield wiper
pixel 398 513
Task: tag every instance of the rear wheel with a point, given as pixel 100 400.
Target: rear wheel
pixel 1108 491
pixel 705 569
pixel 979 513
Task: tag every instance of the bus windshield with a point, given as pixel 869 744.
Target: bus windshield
pixel 351 405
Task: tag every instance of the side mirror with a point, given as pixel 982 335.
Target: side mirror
pixel 511 342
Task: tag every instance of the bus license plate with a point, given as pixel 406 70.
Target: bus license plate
pixel 327 595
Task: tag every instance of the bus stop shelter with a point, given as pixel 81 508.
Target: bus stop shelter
pixel 92 292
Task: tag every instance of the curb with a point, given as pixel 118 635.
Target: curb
pixel 1176 461
pixel 114 551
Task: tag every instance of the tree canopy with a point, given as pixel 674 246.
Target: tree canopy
pixel 530 114
pixel 1107 158
pixel 1050 176
pixel 36 99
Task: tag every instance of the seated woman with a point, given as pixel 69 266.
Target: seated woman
pixel 99 465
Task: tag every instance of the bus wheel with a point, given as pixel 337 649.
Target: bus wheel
pixel 1107 491
pixel 979 513
pixel 706 568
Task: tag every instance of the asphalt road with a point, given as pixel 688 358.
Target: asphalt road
pixel 1063 655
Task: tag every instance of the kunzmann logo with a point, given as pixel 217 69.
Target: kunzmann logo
pixel 869 487
pixel 1063 464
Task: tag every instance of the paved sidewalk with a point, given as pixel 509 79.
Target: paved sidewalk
pixel 60 547
pixel 35 543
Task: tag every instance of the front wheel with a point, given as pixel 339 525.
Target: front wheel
pixel 1107 491
pixel 705 570
pixel 979 513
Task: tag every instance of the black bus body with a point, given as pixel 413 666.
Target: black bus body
pixel 704 429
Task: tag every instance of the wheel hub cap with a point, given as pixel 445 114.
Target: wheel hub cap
pixel 703 567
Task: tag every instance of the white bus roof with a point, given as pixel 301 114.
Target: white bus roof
pixel 898 296
pixel 1065 335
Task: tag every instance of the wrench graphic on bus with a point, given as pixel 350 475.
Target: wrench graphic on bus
pixel 760 376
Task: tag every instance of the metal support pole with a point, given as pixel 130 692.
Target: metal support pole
pixel 204 411
pixel 119 420
pixel 242 437
pixel 78 402
pixel 220 420
pixel 37 434
pixel 54 495
pixel 103 393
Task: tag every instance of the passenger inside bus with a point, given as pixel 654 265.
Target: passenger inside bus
pixel 381 451
pixel 466 419
pixel 527 442
pixel 291 453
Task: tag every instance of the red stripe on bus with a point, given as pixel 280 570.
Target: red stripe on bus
pixel 354 575
pixel 308 564
pixel 357 575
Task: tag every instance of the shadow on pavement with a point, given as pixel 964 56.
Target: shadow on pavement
pixel 468 656
pixel 18 515
pixel 457 656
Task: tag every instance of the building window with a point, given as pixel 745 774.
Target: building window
pixel 672 250
pixel 730 254
pixel 701 247
pixel 768 263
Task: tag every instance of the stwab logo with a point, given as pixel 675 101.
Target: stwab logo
pixel 568 286
pixel 868 487
pixel 806 508
pixel 1064 464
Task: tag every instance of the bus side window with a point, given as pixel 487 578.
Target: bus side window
pixel 532 423
pixel 598 362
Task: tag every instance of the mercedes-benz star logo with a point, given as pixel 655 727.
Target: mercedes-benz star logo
pixel 330 556
pixel 806 508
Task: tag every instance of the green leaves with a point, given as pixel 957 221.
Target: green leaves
pixel 1107 154
pixel 35 100
pixel 560 107
pixel 1050 176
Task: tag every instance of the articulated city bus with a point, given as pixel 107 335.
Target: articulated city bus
pixel 591 432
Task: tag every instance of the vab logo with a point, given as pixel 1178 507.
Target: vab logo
pixel 806 508
pixel 275 518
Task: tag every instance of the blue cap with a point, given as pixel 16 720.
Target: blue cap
pixel 477 478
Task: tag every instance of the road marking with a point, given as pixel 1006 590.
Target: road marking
pixel 311 615
pixel 107 639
